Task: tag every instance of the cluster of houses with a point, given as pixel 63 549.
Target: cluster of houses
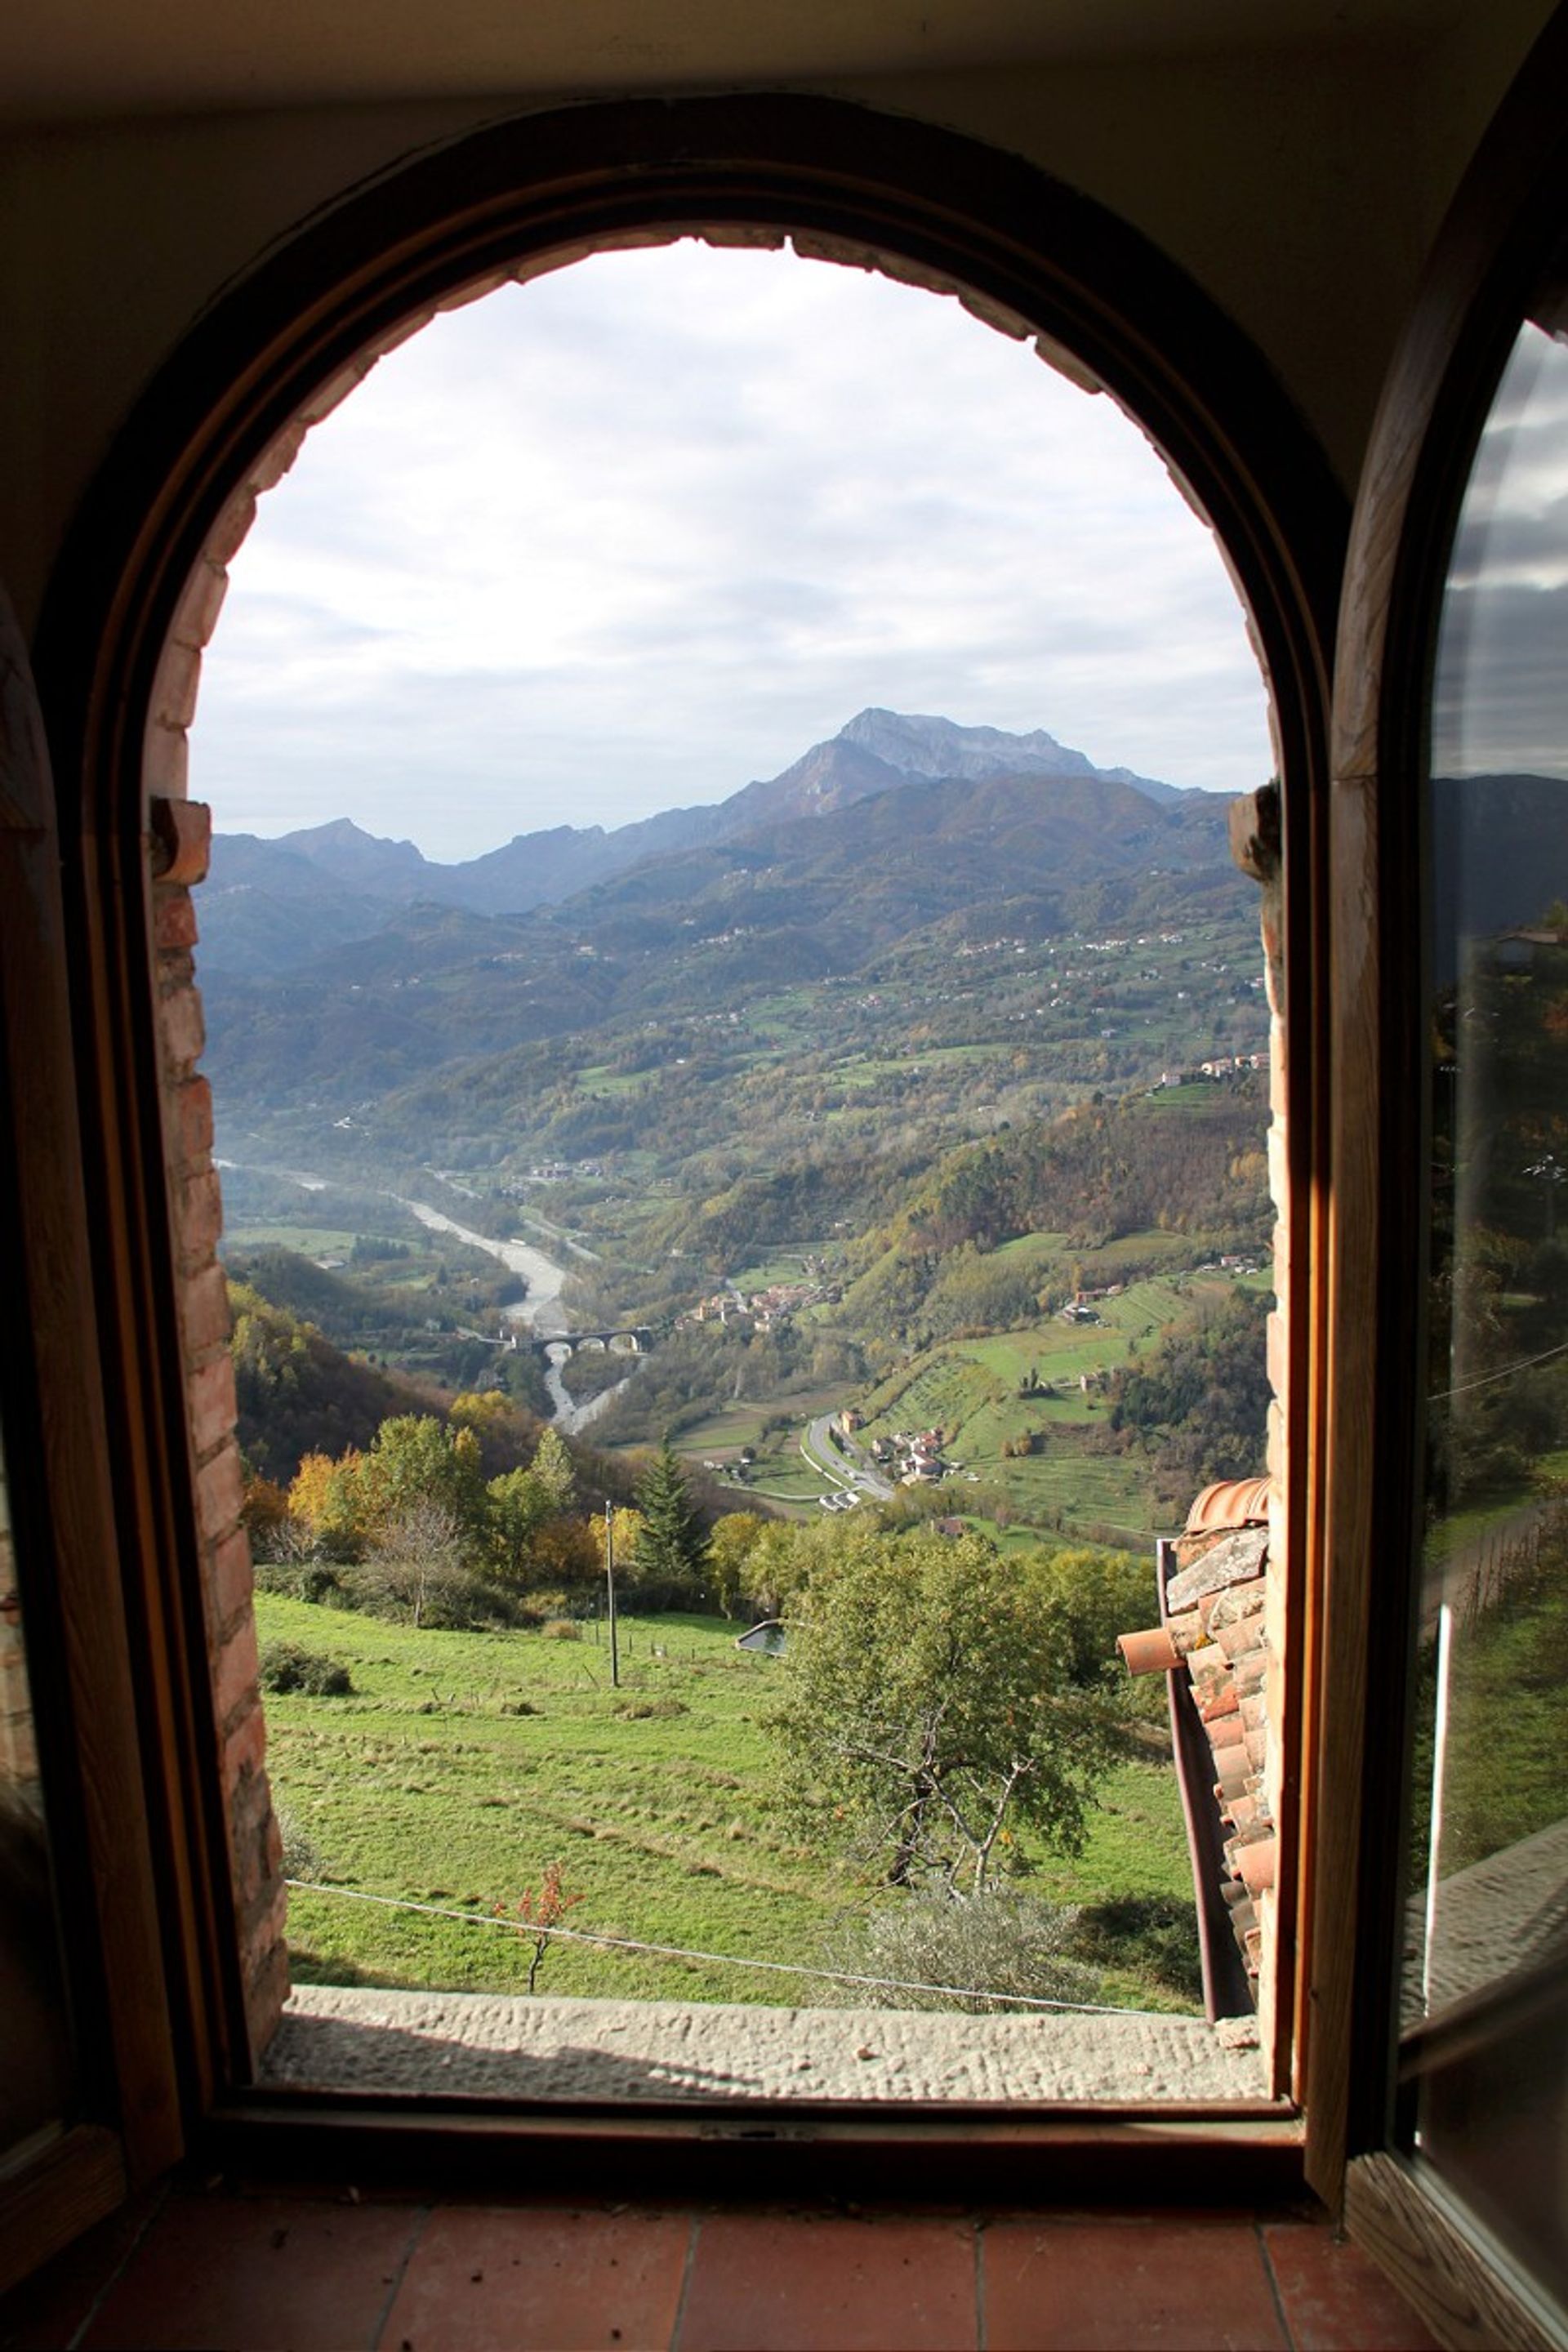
pixel 557 1172
pixel 759 1310
pixel 914 1459
pixel 1220 1066
pixel 1083 1307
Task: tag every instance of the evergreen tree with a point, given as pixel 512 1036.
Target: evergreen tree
pixel 672 1542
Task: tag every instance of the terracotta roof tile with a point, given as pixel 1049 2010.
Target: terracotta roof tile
pixel 1230 1503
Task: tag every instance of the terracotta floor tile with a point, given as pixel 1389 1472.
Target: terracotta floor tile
pixel 278 2275
pixel 1334 2298
pixel 1119 2286
pixel 826 2284
pixel 47 2309
pixel 514 2279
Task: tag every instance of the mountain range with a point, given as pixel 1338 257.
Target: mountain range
pixel 269 905
pixel 338 968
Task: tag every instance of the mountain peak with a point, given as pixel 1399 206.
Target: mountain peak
pixel 932 746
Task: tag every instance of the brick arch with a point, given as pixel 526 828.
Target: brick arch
pixel 139 591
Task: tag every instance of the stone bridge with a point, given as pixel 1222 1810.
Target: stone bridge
pixel 629 1340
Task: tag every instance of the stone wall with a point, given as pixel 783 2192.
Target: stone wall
pixel 181 835
pixel 1257 847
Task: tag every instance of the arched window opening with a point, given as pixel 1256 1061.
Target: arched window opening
pixel 222 427
pixel 628 1103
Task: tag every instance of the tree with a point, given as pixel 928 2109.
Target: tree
pixel 733 1539
pixel 927 1703
pixel 417 1459
pixel 672 1543
pixel 416 1559
pixel 524 1503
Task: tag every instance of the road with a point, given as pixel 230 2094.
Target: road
pixel 850 1468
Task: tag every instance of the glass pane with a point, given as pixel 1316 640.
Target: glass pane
pixel 1485 2005
pixel 35 2071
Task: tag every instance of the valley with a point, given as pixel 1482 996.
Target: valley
pixel 881 1159
pixel 735 1067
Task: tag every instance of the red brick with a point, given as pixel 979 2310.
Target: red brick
pixel 182 1027
pixel 1278 1351
pixel 258 1846
pixel 196 616
pixel 759 2281
pixel 1122 2285
pixel 265 1994
pixel 220 1491
pixel 204 1310
pixel 278 456
pixel 192 1120
pixel 173 920
pixel 232 1581
pixel 166 763
pixel 491 2281
pixel 232 529
pixel 244 1748
pixel 175 687
pixel 213 1405
pixel 183 830
pixel 238 1666
pixel 200 1216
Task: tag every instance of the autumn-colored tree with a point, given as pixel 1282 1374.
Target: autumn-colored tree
pixel 325 1496
pixel 523 1504
pixel 417 1459
pixel 731 1545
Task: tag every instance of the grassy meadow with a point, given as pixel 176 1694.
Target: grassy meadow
pixel 462 1764
pixel 976 1392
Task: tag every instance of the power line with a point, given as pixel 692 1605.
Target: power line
pixel 1485 1379
pixel 719 1960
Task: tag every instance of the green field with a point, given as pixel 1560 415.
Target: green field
pixel 973 1390
pixel 426 1786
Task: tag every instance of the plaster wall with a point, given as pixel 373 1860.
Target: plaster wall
pixel 1299 186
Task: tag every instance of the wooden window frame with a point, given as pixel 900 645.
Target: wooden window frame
pixel 124 2122
pixel 1025 252
pixel 1506 223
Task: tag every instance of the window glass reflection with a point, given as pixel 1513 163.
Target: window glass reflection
pixel 1484 2007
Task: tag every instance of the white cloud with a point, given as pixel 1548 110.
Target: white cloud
pixel 650 527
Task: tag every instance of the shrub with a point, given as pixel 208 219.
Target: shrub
pixel 301 1855
pixel 285 1666
pixel 303 1579
pixel 986 1945
pixel 450 1600
pixel 563 1629
pixel 1156 1934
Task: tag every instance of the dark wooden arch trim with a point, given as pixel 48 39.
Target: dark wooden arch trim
pixel 123 2119
pixel 1500 234
pixel 961 213
pixel 969 214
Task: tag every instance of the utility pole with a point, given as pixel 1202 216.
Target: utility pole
pixel 610 1581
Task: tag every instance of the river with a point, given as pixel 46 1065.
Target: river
pixel 540 1312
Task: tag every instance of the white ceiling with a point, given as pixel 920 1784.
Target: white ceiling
pixel 64 59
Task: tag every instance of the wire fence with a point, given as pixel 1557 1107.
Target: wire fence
pixel 721 1959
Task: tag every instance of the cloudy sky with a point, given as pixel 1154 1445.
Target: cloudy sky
pixel 1501 700
pixel 650 527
